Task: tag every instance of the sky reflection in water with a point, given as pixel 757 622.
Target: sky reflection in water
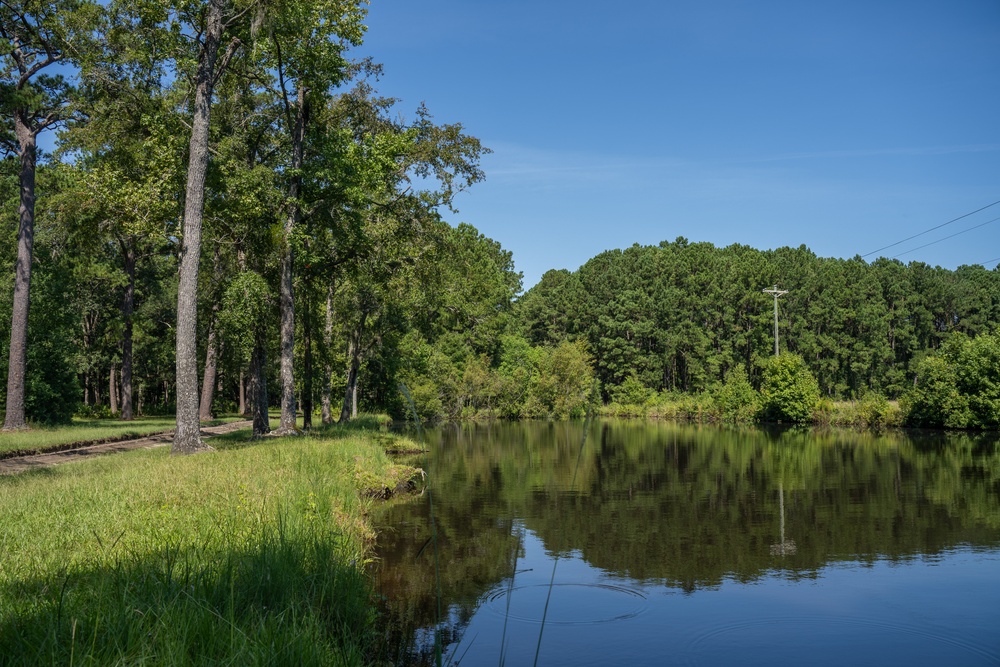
pixel 668 548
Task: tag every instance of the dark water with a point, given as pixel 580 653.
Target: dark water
pixel 638 543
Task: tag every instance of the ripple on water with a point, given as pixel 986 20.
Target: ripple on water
pixel 568 604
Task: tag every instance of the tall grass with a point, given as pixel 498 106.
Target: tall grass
pixel 247 555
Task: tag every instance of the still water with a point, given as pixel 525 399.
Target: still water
pixel 644 543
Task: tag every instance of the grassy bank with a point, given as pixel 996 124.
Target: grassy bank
pixel 251 554
pixel 873 412
pixel 88 430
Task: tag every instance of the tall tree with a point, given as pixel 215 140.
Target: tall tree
pixel 210 26
pixel 306 45
pixel 38 35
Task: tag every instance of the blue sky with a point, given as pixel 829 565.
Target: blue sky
pixel 845 126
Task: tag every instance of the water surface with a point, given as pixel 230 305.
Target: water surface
pixel 632 543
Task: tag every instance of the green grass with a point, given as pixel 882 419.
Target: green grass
pixel 251 554
pixel 87 430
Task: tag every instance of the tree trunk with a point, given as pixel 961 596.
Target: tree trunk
pixel 187 438
pixel 287 424
pixel 354 394
pixel 211 366
pixel 18 360
pixel 242 409
pixel 113 389
pixel 128 307
pixel 258 390
pixel 211 347
pixel 327 366
pixel 307 365
pixel 349 407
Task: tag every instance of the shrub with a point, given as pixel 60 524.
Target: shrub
pixel 632 392
pixel 736 399
pixel 564 387
pixel 874 411
pixel 789 392
pixel 959 387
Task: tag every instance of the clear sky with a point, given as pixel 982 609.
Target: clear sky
pixel 845 126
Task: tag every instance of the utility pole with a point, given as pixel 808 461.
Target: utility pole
pixel 776 293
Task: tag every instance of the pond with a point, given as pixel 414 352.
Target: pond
pixel 625 542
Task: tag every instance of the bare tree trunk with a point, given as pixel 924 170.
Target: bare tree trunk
pixel 128 307
pixel 242 409
pixel 327 366
pixel 287 423
pixel 113 388
pixel 212 346
pixel 211 366
pixel 349 408
pixel 14 418
pixel 307 364
pixel 258 390
pixel 187 438
pixel 354 394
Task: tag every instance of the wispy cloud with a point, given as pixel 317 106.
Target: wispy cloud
pixel 879 152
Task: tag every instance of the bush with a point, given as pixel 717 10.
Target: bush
pixel 564 386
pixel 736 399
pixel 789 392
pixel 874 411
pixel 959 387
pixel 102 411
pixel 632 392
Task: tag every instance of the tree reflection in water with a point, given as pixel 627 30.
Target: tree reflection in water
pixel 677 508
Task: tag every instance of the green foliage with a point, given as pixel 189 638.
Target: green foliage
pixel 247 310
pixel 632 392
pixel 736 399
pixel 874 411
pixel 565 384
pixel 679 314
pixel 789 392
pixel 959 387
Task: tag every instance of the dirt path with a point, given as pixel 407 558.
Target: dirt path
pixel 12 466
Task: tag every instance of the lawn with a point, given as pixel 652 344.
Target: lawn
pixel 251 554
pixel 87 430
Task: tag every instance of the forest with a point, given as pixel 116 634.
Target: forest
pixel 230 217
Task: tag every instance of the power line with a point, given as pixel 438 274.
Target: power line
pixel 989 261
pixel 891 245
pixel 983 224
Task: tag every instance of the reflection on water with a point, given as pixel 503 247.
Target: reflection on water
pixel 698 545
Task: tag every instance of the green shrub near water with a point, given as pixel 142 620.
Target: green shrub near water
pixel 246 555
pixel 736 399
pixel 959 387
pixel 789 392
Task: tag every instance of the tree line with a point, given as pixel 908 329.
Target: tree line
pixel 683 317
pixel 230 206
pixel 234 218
